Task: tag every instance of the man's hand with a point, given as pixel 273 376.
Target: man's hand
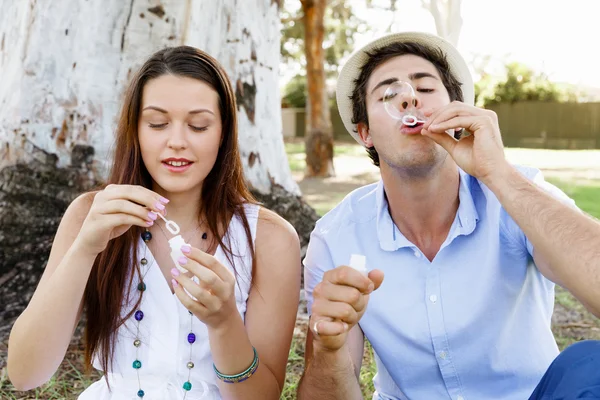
pixel 340 301
pixel 480 154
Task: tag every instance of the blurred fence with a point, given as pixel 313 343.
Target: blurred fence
pixel 294 123
pixel 550 125
pixel 525 124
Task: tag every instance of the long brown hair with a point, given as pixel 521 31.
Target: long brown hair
pixel 224 193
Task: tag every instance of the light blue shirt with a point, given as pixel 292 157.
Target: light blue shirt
pixel 472 324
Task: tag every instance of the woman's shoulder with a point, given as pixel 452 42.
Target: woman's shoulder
pixel 272 228
pixel 277 250
pixel 80 207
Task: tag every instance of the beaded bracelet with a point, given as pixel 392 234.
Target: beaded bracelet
pixel 241 376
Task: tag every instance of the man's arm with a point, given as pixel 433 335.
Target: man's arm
pixel 336 300
pixel 566 241
pixel 332 375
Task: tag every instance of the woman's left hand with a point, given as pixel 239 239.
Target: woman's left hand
pixel 215 300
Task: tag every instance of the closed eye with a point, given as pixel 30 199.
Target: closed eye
pixel 425 90
pixel 157 126
pixel 388 97
pixel 194 128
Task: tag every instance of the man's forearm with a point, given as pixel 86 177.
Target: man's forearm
pixel 330 375
pixel 567 239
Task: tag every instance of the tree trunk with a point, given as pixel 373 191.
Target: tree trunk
pixel 447 17
pixel 319 133
pixel 63 68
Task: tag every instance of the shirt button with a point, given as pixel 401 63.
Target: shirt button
pixel 443 355
pixel 417 254
pixel 433 298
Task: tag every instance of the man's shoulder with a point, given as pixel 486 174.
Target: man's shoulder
pixel 360 205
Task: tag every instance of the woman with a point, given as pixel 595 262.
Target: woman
pixel 220 330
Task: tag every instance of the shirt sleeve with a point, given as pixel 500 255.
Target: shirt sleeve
pixel 318 260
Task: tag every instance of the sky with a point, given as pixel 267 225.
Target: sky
pixel 559 38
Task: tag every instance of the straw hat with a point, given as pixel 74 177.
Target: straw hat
pixel 351 70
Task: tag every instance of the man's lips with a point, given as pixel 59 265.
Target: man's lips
pixel 411 130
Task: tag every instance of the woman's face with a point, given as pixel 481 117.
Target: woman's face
pixel 179 132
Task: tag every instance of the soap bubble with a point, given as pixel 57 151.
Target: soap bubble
pixel 400 102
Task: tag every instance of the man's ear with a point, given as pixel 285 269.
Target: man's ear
pixel 363 133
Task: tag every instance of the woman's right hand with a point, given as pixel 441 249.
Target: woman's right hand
pixel 114 210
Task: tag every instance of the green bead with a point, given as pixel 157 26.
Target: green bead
pixel 187 386
pixel 137 364
pixel 190 365
pixel 137 342
pixel 141 286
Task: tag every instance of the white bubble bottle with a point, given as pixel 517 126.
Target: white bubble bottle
pixel 175 242
pixel 359 263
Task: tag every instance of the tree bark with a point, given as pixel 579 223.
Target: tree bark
pixel 447 17
pixel 63 68
pixel 319 133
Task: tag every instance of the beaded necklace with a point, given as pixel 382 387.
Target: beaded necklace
pixel 139 315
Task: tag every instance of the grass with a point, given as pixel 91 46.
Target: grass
pixel 322 207
pixel 296 146
pixel 546 159
pixel 297 162
pixel 295 364
pixel 586 194
pixel 571 323
pixel 296 156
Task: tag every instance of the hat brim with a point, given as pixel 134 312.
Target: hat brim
pixel 351 70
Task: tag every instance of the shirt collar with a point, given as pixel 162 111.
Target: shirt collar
pixel 390 237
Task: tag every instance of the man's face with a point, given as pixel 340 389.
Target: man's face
pixel 398 145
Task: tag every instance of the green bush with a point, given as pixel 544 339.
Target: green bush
pixel 294 93
pixel 520 83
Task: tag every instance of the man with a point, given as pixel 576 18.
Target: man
pixel 470 246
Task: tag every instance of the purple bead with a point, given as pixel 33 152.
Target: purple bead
pixel 139 315
pixel 191 338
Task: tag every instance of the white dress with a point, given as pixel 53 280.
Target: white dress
pixel 165 351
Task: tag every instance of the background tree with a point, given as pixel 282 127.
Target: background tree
pixel 315 54
pixel 520 83
pixel 447 17
pixel 319 133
